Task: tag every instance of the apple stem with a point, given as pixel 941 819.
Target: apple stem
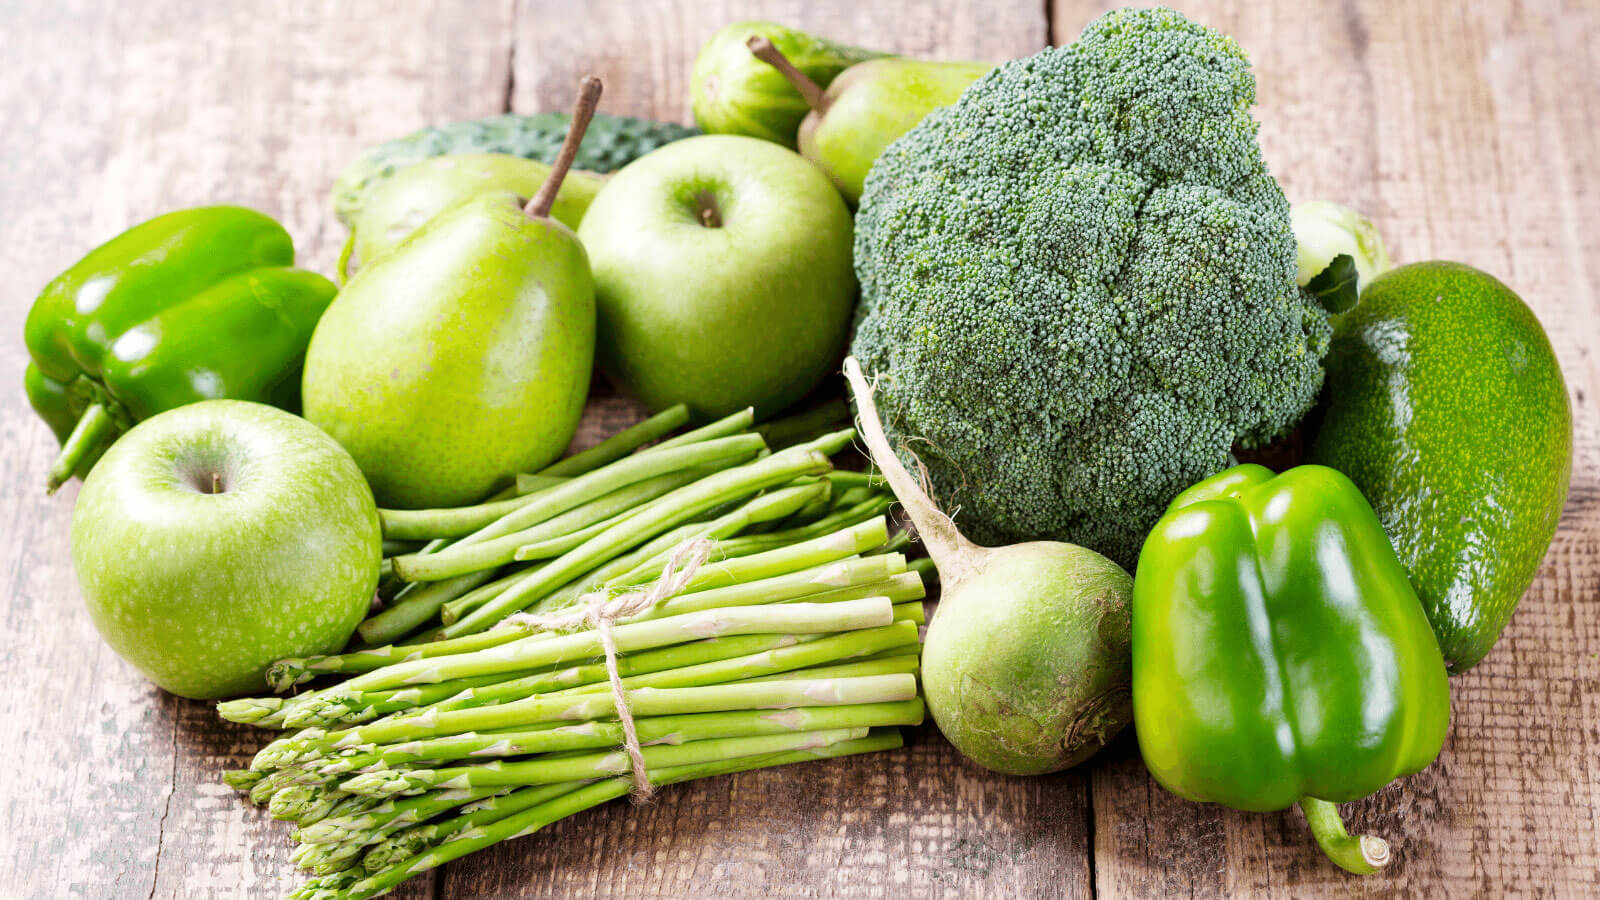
pixel 709 215
pixel 216 482
pixel 772 56
pixel 582 112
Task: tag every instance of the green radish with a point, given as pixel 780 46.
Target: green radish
pixel 413 196
pixel 462 358
pixel 1026 667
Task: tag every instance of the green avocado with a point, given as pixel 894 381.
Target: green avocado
pixel 1445 404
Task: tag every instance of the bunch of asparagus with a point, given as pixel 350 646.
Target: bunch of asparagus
pixel 797 639
pixel 606 516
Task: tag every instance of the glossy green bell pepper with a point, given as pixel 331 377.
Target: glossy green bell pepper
pixel 1280 656
pixel 193 305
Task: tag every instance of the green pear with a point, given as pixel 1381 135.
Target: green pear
pixel 414 195
pixel 731 93
pixel 463 357
pixel 866 108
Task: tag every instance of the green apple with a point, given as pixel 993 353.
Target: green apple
pixel 217 537
pixel 722 275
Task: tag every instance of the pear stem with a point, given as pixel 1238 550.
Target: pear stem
pixel 582 112
pixel 763 49
pixel 951 551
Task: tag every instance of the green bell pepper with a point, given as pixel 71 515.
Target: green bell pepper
pixel 194 305
pixel 1280 656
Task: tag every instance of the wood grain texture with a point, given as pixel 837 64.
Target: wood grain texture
pixel 1467 132
pixel 115 113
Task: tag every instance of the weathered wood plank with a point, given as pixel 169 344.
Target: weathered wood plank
pixel 115 113
pixel 1465 134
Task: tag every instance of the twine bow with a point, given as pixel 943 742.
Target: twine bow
pixel 600 610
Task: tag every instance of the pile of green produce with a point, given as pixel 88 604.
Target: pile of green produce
pixel 480 727
pixel 1081 294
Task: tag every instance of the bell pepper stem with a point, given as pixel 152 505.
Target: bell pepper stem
pixel 1361 855
pixel 94 430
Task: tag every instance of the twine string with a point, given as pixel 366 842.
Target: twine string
pixel 600 610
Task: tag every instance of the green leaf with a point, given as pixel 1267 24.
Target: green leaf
pixel 1336 287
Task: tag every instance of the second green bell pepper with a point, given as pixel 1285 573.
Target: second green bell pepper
pixel 194 305
pixel 1280 656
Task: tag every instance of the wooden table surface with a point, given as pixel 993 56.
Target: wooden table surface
pixel 1468 131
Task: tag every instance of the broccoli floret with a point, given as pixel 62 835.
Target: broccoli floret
pixel 1078 286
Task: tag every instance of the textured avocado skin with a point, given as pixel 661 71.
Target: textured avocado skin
pixel 1445 404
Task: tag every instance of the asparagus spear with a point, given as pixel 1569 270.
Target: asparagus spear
pixel 338 846
pixel 629 439
pixel 902 661
pixel 676 507
pixel 642 702
pixel 396 844
pixel 329 887
pixel 287 673
pixel 490 520
pixel 552 770
pixel 774 504
pixel 845 645
pixel 564 531
pixel 806 424
pixel 417 605
pixel 532 819
pixel 651 730
pixel 745 545
pixel 733 423
pixel 343 703
pixel 672 667
pixel 766 507
pixel 388 816
pixel 539 650
pixel 620 444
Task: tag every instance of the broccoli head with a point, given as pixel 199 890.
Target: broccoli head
pixel 1078 286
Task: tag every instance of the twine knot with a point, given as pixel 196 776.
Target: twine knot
pixel 600 610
